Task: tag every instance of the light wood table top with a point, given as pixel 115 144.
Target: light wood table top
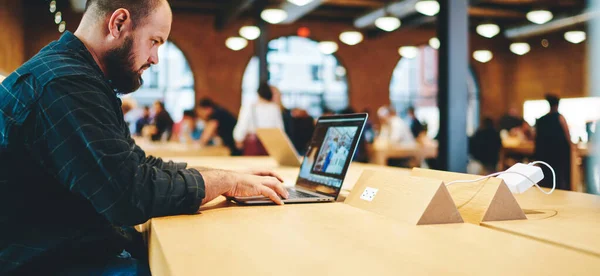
pixel 182 150
pixel 568 219
pixel 288 173
pixel 338 239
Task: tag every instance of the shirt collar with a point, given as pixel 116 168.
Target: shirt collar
pixel 73 43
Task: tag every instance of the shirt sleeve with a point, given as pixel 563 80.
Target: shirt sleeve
pixel 81 134
pixel 243 124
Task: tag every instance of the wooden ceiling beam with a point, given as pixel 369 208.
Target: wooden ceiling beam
pixel 495 13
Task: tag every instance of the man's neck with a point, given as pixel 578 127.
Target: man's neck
pixel 88 42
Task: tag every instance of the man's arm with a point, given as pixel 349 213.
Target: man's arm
pixel 80 139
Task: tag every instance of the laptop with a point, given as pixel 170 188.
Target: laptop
pixel 279 146
pixel 326 162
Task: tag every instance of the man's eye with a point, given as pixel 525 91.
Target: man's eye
pixel 154 42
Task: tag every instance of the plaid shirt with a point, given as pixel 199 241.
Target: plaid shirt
pixel 69 171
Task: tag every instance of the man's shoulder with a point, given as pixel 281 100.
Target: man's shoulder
pixel 54 62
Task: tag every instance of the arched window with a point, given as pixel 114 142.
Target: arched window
pixel 307 78
pixel 414 83
pixel 171 81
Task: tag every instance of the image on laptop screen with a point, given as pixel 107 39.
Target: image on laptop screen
pixel 330 153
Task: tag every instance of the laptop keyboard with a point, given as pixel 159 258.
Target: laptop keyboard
pixel 298 194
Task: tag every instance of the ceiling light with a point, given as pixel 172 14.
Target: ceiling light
pixel 236 43
pixel 328 47
pixel 62 26
pixel 408 51
pixel 488 30
pixel 428 7
pixel 57 17
pixel 483 56
pixel 434 42
pixel 52 6
pixel 299 2
pixel 250 32
pixel 388 23
pixel 539 16
pixel 575 37
pixel 273 16
pixel 520 48
pixel 351 37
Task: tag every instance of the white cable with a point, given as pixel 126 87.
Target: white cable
pixel 488 176
pixel 553 176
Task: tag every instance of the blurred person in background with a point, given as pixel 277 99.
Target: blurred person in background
pixel 511 119
pixel 186 131
pixel 143 121
pixel 393 129
pixel 484 146
pixel 163 124
pixel 265 113
pixel 415 126
pixel 218 123
pixel 553 146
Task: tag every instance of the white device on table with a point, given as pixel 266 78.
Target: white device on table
pixel 519 178
pixel 326 162
pixel 279 146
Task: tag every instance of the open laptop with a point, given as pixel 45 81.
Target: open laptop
pixel 326 162
pixel 279 146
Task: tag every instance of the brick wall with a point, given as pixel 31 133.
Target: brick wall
pixel 505 81
pixel 12 51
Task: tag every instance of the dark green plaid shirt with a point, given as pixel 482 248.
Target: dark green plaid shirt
pixel 69 170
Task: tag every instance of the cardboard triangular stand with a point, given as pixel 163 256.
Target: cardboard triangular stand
pixel 486 200
pixel 413 200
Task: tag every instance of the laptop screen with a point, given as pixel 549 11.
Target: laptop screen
pixel 330 152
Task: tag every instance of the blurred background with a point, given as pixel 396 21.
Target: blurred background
pixel 453 85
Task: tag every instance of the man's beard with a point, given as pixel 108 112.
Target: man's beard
pixel 119 64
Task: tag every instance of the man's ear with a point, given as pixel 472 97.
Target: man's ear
pixel 119 22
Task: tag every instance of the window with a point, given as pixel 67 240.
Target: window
pixel 414 83
pixel 171 81
pixel 306 78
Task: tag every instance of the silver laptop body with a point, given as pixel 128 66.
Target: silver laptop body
pixel 326 162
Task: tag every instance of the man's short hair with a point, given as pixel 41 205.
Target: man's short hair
pixel 206 102
pixel 264 91
pixel 552 99
pixel 139 9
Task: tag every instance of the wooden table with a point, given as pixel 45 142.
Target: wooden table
pixel 379 154
pixel 568 219
pixel 182 150
pixel 337 239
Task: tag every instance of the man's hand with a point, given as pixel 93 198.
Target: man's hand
pixel 229 183
pixel 260 172
pixel 256 185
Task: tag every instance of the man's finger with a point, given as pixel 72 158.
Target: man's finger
pixel 269 173
pixel 277 187
pixel 268 192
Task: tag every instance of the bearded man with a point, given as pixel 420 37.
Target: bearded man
pixel 72 181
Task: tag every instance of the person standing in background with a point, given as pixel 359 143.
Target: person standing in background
pixel 393 129
pixel 162 122
pixel 415 126
pixel 218 122
pixel 263 114
pixel 553 146
pixel 143 121
pixel 185 131
pixel 485 144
